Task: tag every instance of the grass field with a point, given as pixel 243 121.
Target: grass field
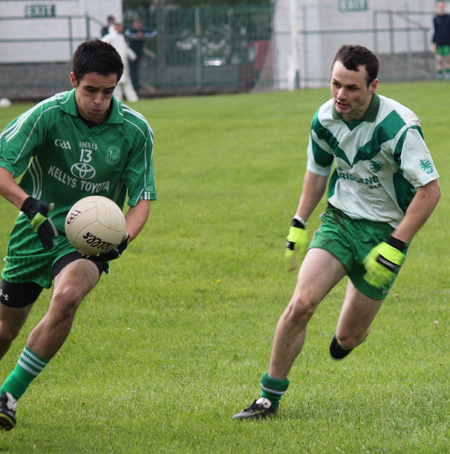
pixel 169 346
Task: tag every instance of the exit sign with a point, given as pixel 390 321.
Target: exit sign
pixel 40 11
pixel 352 5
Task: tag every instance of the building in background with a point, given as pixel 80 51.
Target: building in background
pixel 37 31
pixel 38 38
pixel 288 45
pixel 307 34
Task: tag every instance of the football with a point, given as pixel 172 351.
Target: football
pixel 95 225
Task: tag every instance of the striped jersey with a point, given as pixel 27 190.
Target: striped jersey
pixel 379 160
pixel 63 160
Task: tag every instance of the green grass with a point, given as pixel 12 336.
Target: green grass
pixel 169 346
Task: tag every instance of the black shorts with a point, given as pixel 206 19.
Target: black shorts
pixel 24 294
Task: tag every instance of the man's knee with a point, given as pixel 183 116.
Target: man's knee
pixel 300 309
pixel 65 302
pixel 8 332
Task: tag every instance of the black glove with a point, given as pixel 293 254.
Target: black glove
pixel 37 212
pixel 115 253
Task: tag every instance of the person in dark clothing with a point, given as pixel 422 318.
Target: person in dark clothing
pixel 137 35
pixel 105 29
pixel 441 42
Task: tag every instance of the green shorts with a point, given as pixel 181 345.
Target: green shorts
pixel 443 50
pixel 350 240
pixel 27 260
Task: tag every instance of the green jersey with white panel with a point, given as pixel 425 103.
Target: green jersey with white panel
pixel 379 160
pixel 64 160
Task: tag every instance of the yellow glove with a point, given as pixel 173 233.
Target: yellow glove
pixel 296 245
pixel 382 262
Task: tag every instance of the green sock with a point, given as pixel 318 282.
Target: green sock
pixel 273 389
pixel 27 369
pixel 439 74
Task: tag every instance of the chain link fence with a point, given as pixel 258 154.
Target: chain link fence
pixel 205 49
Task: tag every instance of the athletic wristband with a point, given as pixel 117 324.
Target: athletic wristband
pixel 398 244
pixel 298 222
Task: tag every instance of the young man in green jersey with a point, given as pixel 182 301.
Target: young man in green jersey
pixel 75 144
pixel 383 189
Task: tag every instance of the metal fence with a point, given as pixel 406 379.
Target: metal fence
pixel 209 49
pixel 205 49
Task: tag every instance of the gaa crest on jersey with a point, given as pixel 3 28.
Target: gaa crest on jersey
pixel 376 166
pixel 426 166
pixel 64 144
pixel 112 155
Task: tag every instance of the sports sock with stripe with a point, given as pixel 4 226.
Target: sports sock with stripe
pixel 273 389
pixel 27 369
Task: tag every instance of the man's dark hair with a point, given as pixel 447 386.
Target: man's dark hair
pixel 354 56
pixel 96 56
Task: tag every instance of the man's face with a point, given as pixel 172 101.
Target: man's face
pixel 93 95
pixel 441 7
pixel 350 92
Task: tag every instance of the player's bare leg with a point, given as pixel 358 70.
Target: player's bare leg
pixel 11 322
pixel 319 273
pixel 447 68
pixel 439 67
pixel 71 285
pixel 356 317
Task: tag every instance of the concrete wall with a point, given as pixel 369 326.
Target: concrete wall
pixel 306 46
pixel 26 38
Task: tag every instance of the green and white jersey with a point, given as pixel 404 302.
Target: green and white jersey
pixel 379 160
pixel 64 160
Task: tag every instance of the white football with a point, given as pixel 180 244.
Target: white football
pixel 95 225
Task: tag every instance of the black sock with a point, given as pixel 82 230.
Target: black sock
pixel 336 351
